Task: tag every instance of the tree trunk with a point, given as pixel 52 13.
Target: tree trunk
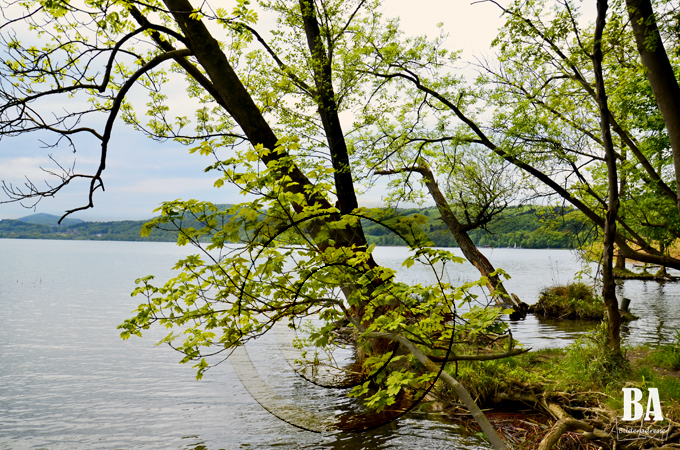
pixel 321 61
pixel 608 286
pixel 328 109
pixel 230 93
pixel 662 271
pixel 620 261
pixel 469 249
pixel 659 73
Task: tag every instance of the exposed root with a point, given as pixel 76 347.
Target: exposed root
pixel 555 428
pixel 561 427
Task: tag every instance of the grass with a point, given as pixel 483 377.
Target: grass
pixel 584 371
pixel 571 301
pixel 667 356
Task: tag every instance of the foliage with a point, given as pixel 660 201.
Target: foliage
pixel 552 111
pixel 229 294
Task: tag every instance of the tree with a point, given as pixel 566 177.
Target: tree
pixel 608 288
pixel 346 58
pixel 222 302
pixel 396 137
pixel 459 231
pixel 547 95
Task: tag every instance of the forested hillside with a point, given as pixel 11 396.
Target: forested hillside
pixel 45 226
pixel 525 227
pixel 126 230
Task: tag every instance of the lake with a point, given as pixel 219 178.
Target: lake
pixel 67 381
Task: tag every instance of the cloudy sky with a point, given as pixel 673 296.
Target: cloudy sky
pixel 141 173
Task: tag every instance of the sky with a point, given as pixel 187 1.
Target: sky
pixel 141 173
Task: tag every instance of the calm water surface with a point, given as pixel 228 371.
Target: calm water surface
pixel 67 381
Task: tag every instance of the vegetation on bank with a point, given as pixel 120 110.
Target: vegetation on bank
pixel 660 274
pixel 45 226
pixel 517 226
pixel 126 230
pixel 582 380
pixel 573 301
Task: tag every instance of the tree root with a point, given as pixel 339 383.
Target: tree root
pixel 561 427
pixel 593 427
pixel 567 423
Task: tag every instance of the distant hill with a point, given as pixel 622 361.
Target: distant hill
pixel 521 227
pixel 44 226
pixel 48 219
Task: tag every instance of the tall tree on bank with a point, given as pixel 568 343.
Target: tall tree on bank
pixel 608 286
pixel 459 232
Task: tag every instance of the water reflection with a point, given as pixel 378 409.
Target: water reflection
pixel 657 304
pixel 536 332
pixel 434 433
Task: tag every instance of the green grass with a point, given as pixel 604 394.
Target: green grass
pixel 667 356
pixel 585 368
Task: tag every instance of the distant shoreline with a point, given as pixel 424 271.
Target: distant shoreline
pixel 146 240
pixel 528 227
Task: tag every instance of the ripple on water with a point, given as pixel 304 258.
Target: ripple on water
pixel 68 382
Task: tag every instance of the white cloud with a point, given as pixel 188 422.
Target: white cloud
pixel 16 169
pixel 471 26
pixel 170 186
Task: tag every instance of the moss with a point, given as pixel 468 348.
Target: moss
pixel 625 273
pixel 661 272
